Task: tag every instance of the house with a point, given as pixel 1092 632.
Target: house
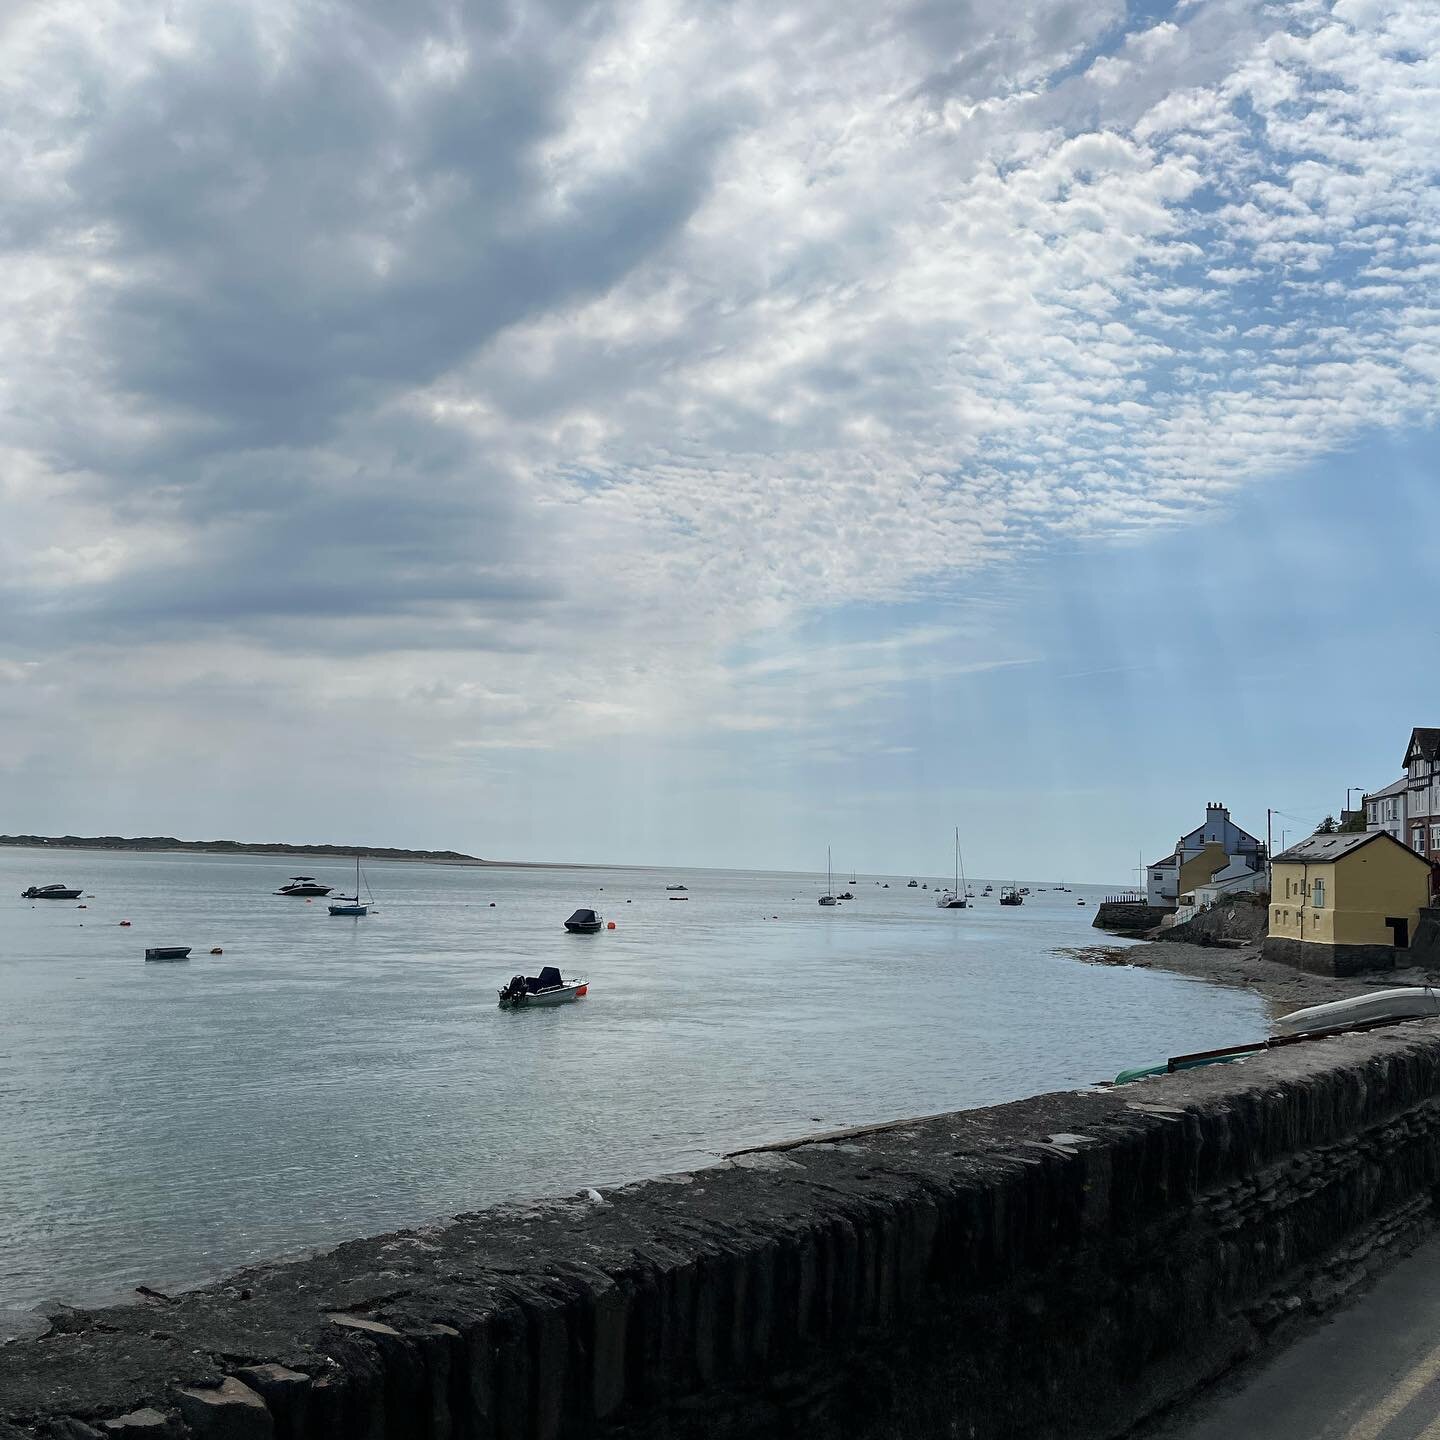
pixel 1343 903
pixel 1217 853
pixel 1422 792
pixel 1385 810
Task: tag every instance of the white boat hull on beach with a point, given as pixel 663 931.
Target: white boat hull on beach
pixel 1409 1002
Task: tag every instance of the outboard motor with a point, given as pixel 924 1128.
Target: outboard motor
pixel 514 988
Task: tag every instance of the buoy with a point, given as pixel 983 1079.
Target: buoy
pixel 125 922
pixel 609 924
pixel 216 950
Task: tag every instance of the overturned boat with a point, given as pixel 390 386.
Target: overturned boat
pixel 1408 1002
pixel 546 988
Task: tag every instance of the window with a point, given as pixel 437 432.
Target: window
pixel 1318 900
pixel 1435 837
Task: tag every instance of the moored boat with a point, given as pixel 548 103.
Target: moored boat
pixel 677 887
pixel 585 922
pixel 306 885
pixel 167 952
pixel 547 988
pixel 1009 895
pixel 829 897
pixel 958 897
pixel 49 892
pixel 345 905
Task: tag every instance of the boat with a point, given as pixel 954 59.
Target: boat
pixel 829 897
pixel 914 884
pixel 49 892
pixel 167 952
pixel 524 992
pixel 676 887
pixel 989 889
pixel 845 895
pixel 1408 1002
pixel 1009 895
pixel 345 905
pixel 957 898
pixel 672 897
pixel 304 885
pixel 585 922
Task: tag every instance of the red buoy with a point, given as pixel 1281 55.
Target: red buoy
pixel 609 924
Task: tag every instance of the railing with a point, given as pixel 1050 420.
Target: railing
pixel 1126 900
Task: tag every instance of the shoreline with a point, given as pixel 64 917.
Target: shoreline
pixel 1282 987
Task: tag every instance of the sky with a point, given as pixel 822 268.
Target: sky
pixel 691 434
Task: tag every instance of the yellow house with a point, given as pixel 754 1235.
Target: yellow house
pixel 1345 903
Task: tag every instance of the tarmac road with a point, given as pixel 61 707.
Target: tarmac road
pixel 1371 1372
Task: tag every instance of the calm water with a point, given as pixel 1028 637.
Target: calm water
pixel 327 1077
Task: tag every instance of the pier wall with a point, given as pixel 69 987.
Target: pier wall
pixel 1127 916
pixel 1062 1266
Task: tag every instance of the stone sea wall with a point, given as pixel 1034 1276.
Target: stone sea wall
pixel 1062 1266
pixel 1127 916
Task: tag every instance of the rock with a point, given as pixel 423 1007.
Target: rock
pixel 147 1423
pixel 233 1411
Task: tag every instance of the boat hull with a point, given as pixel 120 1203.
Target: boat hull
pixel 540 999
pixel 310 892
pixel 1405 1003
pixel 585 927
pixel 349 910
pixel 36 894
pixel 168 952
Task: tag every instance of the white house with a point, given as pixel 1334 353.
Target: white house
pixel 1386 809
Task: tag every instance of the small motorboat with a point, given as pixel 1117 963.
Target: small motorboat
pixel 49 892
pixel 677 887
pixel 1009 895
pixel 546 988
pixel 167 952
pixel 913 885
pixel 988 890
pixel 672 897
pixel 585 922
pixel 306 885
pixel 845 895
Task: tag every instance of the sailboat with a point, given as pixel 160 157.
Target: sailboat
pixel 954 899
pixel 344 905
pixel 828 898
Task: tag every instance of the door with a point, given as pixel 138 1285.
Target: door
pixel 1399 932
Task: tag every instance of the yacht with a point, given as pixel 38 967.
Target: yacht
pixel 49 892
pixel 304 885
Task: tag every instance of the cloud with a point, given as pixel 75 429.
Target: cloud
pixel 495 377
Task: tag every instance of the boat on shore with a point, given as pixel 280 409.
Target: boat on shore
pixel 1407 1002
pixel 49 892
pixel 585 922
pixel 526 992
pixel 167 952
pixel 306 885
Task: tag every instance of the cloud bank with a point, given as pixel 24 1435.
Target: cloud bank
pixel 471 377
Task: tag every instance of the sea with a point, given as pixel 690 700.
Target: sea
pixel 323 1078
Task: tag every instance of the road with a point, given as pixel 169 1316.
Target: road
pixel 1371 1372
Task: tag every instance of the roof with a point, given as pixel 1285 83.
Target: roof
pixel 1170 859
pixel 1426 741
pixel 1319 849
pixel 1396 787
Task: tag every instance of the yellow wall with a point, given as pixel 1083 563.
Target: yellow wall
pixel 1360 889
pixel 1199 870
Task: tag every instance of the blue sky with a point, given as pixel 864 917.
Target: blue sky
pixel 659 432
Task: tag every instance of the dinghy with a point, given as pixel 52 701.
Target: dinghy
pixel 1409 1002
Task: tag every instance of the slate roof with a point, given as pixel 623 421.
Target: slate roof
pixel 1396 787
pixel 1319 849
pixel 1426 741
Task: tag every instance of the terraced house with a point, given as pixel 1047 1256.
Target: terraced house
pixel 1409 808
pixel 1217 858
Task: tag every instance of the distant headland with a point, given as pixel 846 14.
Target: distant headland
pixel 237 847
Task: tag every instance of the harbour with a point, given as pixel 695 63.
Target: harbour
pixel 327 1077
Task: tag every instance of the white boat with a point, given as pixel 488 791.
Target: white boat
pixel 525 992
pixel 352 905
pixel 828 898
pixel 958 898
pixel 1408 1002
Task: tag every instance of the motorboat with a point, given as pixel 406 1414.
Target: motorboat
pixel 677 887
pixel 845 895
pixel 585 922
pixel 167 952
pixel 547 988
pixel 913 885
pixel 958 897
pixel 306 885
pixel 988 890
pixel 1009 895
pixel 49 892
pixel 672 897
pixel 346 905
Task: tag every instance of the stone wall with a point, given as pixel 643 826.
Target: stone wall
pixel 1123 915
pixel 1062 1266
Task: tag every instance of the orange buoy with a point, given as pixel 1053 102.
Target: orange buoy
pixel 609 924
pixel 216 950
